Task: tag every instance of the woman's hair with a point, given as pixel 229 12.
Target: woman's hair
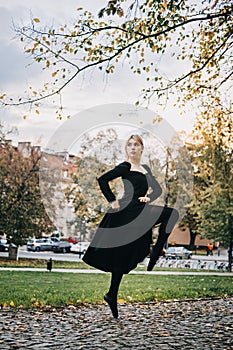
pixel 136 138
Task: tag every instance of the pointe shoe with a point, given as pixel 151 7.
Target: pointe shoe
pixel 112 302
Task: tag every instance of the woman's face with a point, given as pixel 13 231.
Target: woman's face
pixel 134 149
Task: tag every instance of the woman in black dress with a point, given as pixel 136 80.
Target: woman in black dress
pixel 124 235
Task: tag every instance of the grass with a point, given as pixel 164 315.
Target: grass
pixel 42 263
pixel 39 289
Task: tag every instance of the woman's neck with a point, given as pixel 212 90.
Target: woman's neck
pixel 135 162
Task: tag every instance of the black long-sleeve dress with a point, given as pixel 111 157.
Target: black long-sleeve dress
pixel 123 237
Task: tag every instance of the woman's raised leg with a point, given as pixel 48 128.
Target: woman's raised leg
pixel 167 221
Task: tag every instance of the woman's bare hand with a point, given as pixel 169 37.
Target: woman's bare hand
pixel 115 205
pixel 144 199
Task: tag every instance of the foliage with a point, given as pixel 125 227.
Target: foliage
pixel 212 205
pixel 21 209
pixel 179 184
pixel 95 159
pixel 148 35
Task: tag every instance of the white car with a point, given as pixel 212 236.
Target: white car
pixel 79 248
pixel 178 253
pixel 40 244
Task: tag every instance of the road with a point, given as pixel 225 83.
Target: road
pixel 23 253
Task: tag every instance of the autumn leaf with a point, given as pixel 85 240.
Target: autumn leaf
pixel 121 301
pixel 36 20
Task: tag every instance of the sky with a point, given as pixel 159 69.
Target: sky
pixel 17 72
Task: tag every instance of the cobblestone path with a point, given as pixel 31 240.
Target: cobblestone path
pixel 200 324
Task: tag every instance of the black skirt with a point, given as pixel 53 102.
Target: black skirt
pixel 119 243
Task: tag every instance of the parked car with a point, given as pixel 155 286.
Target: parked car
pixel 54 239
pixel 61 247
pixel 39 244
pixel 72 240
pixel 80 247
pixel 161 254
pixel 4 246
pixel 178 253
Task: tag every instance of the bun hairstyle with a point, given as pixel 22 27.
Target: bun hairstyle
pixel 136 138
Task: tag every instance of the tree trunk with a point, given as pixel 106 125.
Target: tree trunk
pixel 230 257
pixel 192 239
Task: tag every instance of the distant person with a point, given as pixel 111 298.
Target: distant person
pixel 124 235
pixel 210 248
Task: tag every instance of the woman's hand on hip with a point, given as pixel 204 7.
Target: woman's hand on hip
pixel 115 205
pixel 144 199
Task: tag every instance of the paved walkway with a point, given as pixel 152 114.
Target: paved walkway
pixel 134 272
pixel 184 325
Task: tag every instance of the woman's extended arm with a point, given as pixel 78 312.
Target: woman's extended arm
pixel 104 180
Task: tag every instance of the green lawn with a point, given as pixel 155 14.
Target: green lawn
pixel 22 262
pixel 39 289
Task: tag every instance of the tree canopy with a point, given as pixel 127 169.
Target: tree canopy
pixel 210 212
pixel 21 209
pixel 148 35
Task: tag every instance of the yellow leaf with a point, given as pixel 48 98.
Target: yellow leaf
pixel 154 48
pixel 12 304
pixel 54 74
pixel 36 20
pixel 34 92
pixel 37 112
pixel 24 117
pixel 121 301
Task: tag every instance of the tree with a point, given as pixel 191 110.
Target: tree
pixel 94 159
pixel 21 208
pixel 190 219
pixel 179 185
pixel 212 150
pixel 195 35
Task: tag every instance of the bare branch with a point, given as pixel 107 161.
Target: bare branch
pixel 109 53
